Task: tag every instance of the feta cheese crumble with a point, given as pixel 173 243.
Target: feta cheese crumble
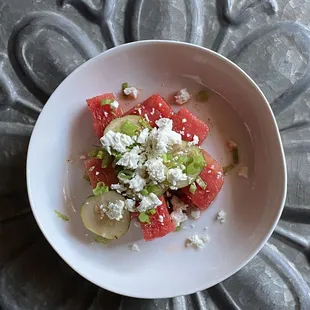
pixel 178 217
pixel 118 187
pixel 149 202
pixel 195 214
pixel 243 172
pixel 137 183
pixel 117 141
pixel 161 218
pixel 114 105
pixel 196 241
pixel 156 169
pixel 144 134
pixel 134 247
pixel 131 91
pixel 182 96
pixel 114 210
pixel 176 175
pixel 221 216
pixel 130 159
pixel 195 141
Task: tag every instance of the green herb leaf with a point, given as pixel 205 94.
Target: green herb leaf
pixel 93 153
pixel 100 154
pixel 144 218
pixel 101 239
pixel 125 174
pixel 203 95
pixel 178 228
pixel 124 85
pixel 201 183
pixel 62 216
pixel 100 189
pixel 106 160
pixel 151 211
pixel 106 101
pixel 144 192
pixel 192 188
pixel 129 128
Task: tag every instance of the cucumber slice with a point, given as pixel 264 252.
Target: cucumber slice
pixel 105 227
pixel 117 123
pixel 193 169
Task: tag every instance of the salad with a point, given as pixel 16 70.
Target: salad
pixel 148 167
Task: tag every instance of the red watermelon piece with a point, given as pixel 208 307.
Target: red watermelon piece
pixel 106 175
pixel 152 109
pixel 212 174
pixel 157 229
pixel 102 114
pixel 188 125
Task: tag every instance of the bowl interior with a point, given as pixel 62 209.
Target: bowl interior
pixel 236 110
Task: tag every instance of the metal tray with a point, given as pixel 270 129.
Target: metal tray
pixel 42 41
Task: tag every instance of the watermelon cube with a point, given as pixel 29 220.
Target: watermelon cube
pixel 189 125
pixel 97 174
pixel 212 174
pixel 102 114
pixel 152 109
pixel 160 223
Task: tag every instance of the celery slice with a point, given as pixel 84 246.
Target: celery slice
pixel 100 189
pixel 144 218
pixel 106 101
pixel 128 128
pixel 125 174
pixel 192 188
pixel 201 183
pixel 124 85
pixel 62 216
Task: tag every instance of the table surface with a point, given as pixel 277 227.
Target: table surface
pixel 42 41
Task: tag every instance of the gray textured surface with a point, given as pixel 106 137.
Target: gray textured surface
pixel 42 41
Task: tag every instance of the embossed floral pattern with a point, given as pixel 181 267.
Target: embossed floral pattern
pixel 41 42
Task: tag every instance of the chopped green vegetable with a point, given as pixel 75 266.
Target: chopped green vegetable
pixel 100 189
pixel 201 183
pixel 178 228
pixel 144 192
pixel 106 160
pixel 192 188
pixel 106 101
pixel 124 85
pixel 125 174
pixel 203 95
pixel 167 157
pixel 100 154
pixel 193 168
pixel 228 168
pixel 129 128
pixel 156 189
pixel 62 216
pixel 101 239
pixel 144 218
pixel 151 211
pixel 144 123
pixel 235 153
pixel 93 153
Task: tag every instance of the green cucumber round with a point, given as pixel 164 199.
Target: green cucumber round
pixel 105 227
pixel 117 123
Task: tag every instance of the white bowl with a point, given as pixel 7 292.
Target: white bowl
pixel 163 267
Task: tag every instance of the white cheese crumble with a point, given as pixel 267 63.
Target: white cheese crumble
pixel 163 138
pixel 178 203
pixel 184 120
pixel 156 169
pixel 195 141
pixel 130 205
pixel 196 241
pixel 114 105
pixel 178 217
pixel 134 247
pixel 195 213
pixel 176 175
pixel 149 202
pixel 221 216
pixel 182 96
pixel 131 91
pixel 243 172
pixel 91 168
pixel 118 187
pixel 115 210
pixel 117 141
pixel 161 218
pixel 130 159
pixel 137 183
pixel 143 136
